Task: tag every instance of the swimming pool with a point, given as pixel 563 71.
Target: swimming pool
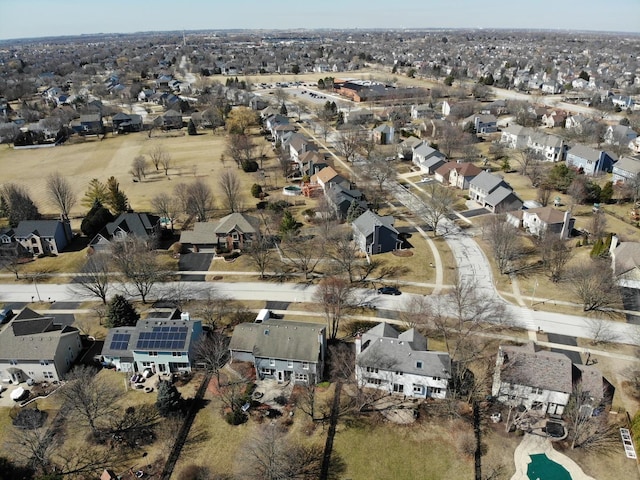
pixel 542 468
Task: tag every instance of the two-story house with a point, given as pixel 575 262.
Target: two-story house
pixel 375 234
pixel 543 381
pixel 234 231
pixel 515 136
pixel 550 148
pixel 163 343
pixel 141 225
pixel 619 135
pixel 462 174
pixel 485 123
pixel 33 346
pixel 626 169
pixel 589 160
pixel 43 237
pixel 483 184
pixel 281 350
pixel 400 363
pixel 543 220
pixel 428 159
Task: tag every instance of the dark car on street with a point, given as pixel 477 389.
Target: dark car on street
pixel 389 291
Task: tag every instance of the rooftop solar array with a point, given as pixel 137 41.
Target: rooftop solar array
pixel 120 341
pixel 163 338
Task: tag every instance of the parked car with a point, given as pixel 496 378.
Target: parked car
pixel 6 314
pixel 389 291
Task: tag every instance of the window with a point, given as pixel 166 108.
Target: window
pixel 146 364
pixel 301 377
pixel 289 363
pixel 418 364
pixel 373 381
pixel 177 354
pixel 435 391
pixel 272 362
pixel 13 362
pixel 153 354
pixel 398 388
pixel 436 379
pixel 44 362
pixel 418 389
pixel 31 374
pixel 48 375
pixel 305 365
pixel 399 373
pixel 536 391
pixel 372 370
pixel 267 371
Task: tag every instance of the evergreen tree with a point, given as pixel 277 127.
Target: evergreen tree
pixel 120 313
pixel 169 400
pixel 96 219
pixel 191 128
pixel 283 109
pixel 288 223
pixel 606 194
pixel 354 211
pixel 116 199
pixel 96 191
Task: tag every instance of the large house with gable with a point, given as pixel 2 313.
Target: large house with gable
pixel 401 363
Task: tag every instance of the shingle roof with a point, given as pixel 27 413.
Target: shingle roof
pixel 385 348
pixel 498 196
pixel 541 369
pixel 238 221
pixel 139 224
pixel 627 257
pixel 368 221
pixel 486 181
pixel 582 151
pixel 548 215
pixel 42 228
pixel 279 339
pixel 628 164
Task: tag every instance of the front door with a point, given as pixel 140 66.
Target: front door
pixel 280 376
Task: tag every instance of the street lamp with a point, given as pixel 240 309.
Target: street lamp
pixel 35 284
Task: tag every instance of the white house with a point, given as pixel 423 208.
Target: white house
pixel 400 363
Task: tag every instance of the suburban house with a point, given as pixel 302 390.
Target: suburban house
pixel 125 123
pixel 589 160
pixel 622 101
pixel 340 198
pixel 358 117
pixel 43 237
pixel 421 111
pixel 502 199
pixel 234 231
pixel 383 134
pixel 550 148
pixel 443 172
pixel 400 363
pixel 172 119
pixel 375 234
pixel 299 144
pixel 282 350
pixel 483 123
pixel 141 225
pixel 515 136
pixel 89 124
pixel 33 346
pixel 543 381
pixel 163 343
pixel 427 157
pixel 407 146
pixel 579 123
pixel 327 177
pixel 461 175
pixel 619 135
pixel 626 169
pixel 8 245
pixel 625 261
pixel 543 220
pixel 311 162
pixel 554 119
pixel 483 184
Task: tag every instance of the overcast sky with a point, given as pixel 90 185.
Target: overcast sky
pixel 38 18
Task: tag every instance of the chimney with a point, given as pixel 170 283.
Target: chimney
pixel 358 344
pixel 184 316
pixel 615 241
pixel 566 224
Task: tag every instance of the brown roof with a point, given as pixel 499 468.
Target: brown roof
pixel 445 169
pixel 468 169
pixel 325 175
pixel 540 369
pixel 548 215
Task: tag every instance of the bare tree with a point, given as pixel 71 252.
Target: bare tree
pixel 600 331
pixel 90 399
pixel 378 169
pixel 13 260
pixel 159 157
pixel 593 283
pixel 138 264
pixel 165 205
pixel 348 143
pixel 304 253
pixel 271 455
pixel 211 352
pixel 438 203
pixel 504 241
pixel 337 297
pixel 61 193
pixel 525 158
pixel 195 199
pixel 597 226
pixel 555 254
pixel 94 280
pixel 214 308
pixel 230 186
pixel 240 148
pixel 591 433
pixel 261 254
pixel 139 167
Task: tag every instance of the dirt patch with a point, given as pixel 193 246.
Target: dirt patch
pixel 403 253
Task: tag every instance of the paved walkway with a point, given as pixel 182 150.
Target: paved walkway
pixel 532 445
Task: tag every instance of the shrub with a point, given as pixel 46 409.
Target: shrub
pixel 256 190
pixel 176 248
pixel 30 419
pixel 278 206
pixel 195 472
pixel 281 400
pixel 250 166
pixel 235 417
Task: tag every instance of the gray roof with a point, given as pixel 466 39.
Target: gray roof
pixel 627 257
pixel 41 228
pixel 546 140
pixel 628 164
pixel 368 221
pixel 498 196
pixel 540 369
pixel 238 221
pixel 425 151
pixel 385 348
pixel 588 153
pixel 517 130
pixel 279 339
pixel 32 337
pixel 140 224
pixel 487 182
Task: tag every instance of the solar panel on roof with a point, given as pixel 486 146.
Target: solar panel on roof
pixel 163 338
pixel 120 341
